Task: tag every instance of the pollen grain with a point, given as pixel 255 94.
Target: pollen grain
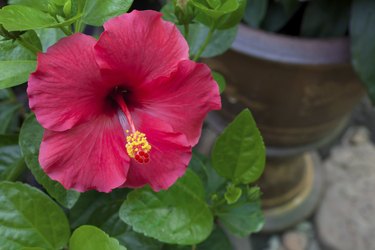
pixel 138 147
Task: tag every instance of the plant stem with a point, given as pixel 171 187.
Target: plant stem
pixel 66 31
pixel 28 45
pixel 205 43
pixel 78 23
pixel 193 247
pixel 186 29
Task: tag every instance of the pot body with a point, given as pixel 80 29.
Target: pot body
pixel 300 91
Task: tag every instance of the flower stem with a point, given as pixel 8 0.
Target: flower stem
pixel 186 31
pixel 28 45
pixel 205 43
pixel 66 31
pixel 193 247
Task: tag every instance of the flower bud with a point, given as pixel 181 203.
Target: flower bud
pixel 67 8
pixel 52 9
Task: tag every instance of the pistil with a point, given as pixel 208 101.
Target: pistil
pixel 136 145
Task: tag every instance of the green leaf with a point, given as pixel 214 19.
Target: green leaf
pixel 96 209
pixel 49 37
pixel 168 13
pixel 232 194
pixel 37 4
pixel 15 72
pixel 178 215
pixel 219 43
pixel 326 18
pixel 255 12
pixel 19 17
pixel 232 19
pixel 90 237
pixel 10 157
pixel 96 12
pixel 219 78
pixel 101 210
pixel 30 138
pixel 17 62
pixel 362 36
pixel 213 182
pixel 208 12
pixel 29 218
pixel 242 218
pixel 217 241
pixel 32 248
pixel 9 116
pixel 226 16
pixel 239 153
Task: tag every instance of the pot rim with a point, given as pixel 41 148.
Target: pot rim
pixel 290 49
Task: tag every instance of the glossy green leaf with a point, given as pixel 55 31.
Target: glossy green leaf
pixel 362 35
pixel 96 12
pixel 30 138
pixel 168 13
pixel 217 241
pixel 207 11
pixel 228 15
pixel 232 19
pixel 242 218
pixel 255 12
pixel 15 72
pixel 29 218
pixel 19 17
pixel 17 62
pixel 37 4
pixel 213 182
pixel 11 161
pixel 49 37
pixel 219 43
pixel 101 210
pixel 32 248
pixel 90 237
pixel 239 152
pixel 326 18
pixel 178 215
pixel 232 194
pixel 219 78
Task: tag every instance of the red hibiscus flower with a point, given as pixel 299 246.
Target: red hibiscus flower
pixel 123 111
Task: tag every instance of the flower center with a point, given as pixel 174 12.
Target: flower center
pixel 136 145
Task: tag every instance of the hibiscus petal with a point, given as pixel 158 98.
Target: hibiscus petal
pixel 89 156
pixel 169 156
pixel 67 89
pixel 183 99
pixel 140 46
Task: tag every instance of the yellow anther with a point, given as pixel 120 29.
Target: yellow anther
pixel 137 142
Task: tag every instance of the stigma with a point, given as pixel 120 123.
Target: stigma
pixel 138 147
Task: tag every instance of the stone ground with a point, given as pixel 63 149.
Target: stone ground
pixel 345 218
